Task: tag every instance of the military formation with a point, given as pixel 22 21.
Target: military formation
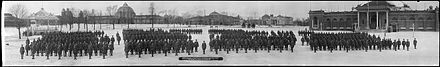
pixel 187 31
pixel 68 44
pixel 354 41
pixel 237 39
pixel 157 41
pixel 175 41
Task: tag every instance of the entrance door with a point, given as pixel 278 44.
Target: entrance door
pixel 373 21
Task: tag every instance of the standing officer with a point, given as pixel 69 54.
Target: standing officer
pixel 27 48
pixel 203 47
pixel 22 51
pixel 118 38
pixel 196 44
pixel 302 41
pixel 415 43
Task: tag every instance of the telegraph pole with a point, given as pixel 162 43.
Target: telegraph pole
pixel 152 14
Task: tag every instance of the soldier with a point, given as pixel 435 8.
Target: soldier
pixel 399 43
pixel 22 51
pixel 112 40
pixel 104 50
pixel 403 44
pixel 118 37
pixel 47 51
pixel 111 47
pixel 75 51
pixel 27 48
pixel 203 47
pixel 395 45
pixel 33 51
pixel 407 45
pixel 139 50
pixel 196 44
pixel 415 43
pixel 302 41
pixel 59 51
pixel 126 49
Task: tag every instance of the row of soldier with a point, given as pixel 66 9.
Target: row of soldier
pixel 188 31
pixel 68 44
pixel 170 43
pixel 354 41
pixel 151 34
pixel 235 40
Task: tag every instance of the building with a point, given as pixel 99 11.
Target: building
pixel 125 15
pixel 375 15
pixel 11 21
pixel 276 20
pixel 42 18
pixel 216 18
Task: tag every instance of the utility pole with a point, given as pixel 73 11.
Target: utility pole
pixel 152 14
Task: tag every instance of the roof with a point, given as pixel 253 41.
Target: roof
pixel 42 14
pixel 383 5
pixel 215 13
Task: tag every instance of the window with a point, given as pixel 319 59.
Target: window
pixel 420 18
pixel 429 18
pixel 341 19
pixel 334 19
pixel 348 19
pixel 394 18
pixel 412 18
pixel 328 20
pixel 402 18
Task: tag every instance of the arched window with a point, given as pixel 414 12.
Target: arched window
pixel 328 20
pixel 334 19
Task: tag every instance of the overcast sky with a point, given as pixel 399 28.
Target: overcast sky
pixel 296 9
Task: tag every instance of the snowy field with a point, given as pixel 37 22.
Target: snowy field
pixel 427 52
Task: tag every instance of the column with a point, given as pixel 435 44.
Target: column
pixel 386 24
pixel 368 20
pixel 358 19
pixel 377 20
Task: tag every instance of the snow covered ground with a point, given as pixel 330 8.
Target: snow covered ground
pixel 427 52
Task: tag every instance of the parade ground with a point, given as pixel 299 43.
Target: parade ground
pixel 427 52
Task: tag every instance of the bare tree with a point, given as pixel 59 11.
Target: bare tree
pixel 19 11
pixel 112 10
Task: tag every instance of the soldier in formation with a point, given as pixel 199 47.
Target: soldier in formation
pixel 157 41
pixel 66 44
pixel 188 31
pixel 235 40
pixel 353 41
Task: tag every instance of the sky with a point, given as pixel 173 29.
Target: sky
pixel 295 9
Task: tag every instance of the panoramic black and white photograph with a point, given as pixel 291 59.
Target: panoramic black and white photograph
pixel 220 33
